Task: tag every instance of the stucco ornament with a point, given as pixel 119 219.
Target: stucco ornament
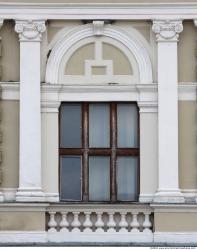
pixel 30 30
pixel 98 28
pixel 166 30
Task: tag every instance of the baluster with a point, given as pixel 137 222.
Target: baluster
pixel 52 222
pixel 75 223
pixel 99 223
pixel 135 224
pixel 123 223
pixel 64 223
pixel 111 223
pixel 147 223
pixel 87 223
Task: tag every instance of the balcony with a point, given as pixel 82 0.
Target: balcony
pixel 99 223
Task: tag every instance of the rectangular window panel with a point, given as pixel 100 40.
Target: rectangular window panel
pixel 70 177
pixel 99 125
pixel 127 124
pixel 99 178
pixel 127 178
pixel 70 126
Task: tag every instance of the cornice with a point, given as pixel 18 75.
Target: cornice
pixel 99 11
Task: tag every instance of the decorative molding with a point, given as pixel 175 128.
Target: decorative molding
pixel 51 92
pixel 98 28
pixel 167 30
pixel 168 196
pixel 33 237
pixel 172 208
pixel 30 30
pixel 146 198
pixel 69 38
pixel 98 11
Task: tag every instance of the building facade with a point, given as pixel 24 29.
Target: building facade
pixel 98 121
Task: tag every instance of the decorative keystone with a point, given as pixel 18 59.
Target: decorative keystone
pixel 98 28
pixel 30 29
pixel 167 30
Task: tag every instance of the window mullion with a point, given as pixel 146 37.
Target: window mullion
pixel 85 151
pixel 113 119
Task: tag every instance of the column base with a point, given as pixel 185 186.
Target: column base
pixel 30 194
pixel 169 196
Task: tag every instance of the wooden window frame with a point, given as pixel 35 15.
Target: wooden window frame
pixel 113 151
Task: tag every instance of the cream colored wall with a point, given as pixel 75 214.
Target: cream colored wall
pixel 10 146
pixel 187 47
pixel 10 59
pixel 22 221
pixel 188 144
pixel 175 221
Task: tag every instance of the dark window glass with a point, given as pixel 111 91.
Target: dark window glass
pixel 70 177
pixel 70 126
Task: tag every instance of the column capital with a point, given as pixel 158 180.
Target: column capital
pixel 30 30
pixel 167 30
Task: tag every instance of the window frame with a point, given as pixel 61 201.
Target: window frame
pixel 113 151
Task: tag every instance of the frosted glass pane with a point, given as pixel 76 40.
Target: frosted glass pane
pixel 70 178
pixel 127 178
pixel 127 126
pixel 70 126
pixel 99 125
pixel 99 178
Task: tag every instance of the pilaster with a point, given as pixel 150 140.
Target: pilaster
pixel 30 179
pixel 167 35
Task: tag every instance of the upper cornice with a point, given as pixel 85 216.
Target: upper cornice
pixel 132 11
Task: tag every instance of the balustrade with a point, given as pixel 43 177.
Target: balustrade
pixel 85 220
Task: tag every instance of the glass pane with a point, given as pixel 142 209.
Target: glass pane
pixel 99 178
pixel 127 178
pixel 70 177
pixel 127 125
pixel 70 126
pixel 99 125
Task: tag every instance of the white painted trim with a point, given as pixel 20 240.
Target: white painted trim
pixel 9 194
pixel 175 237
pixel 10 91
pixel 23 237
pixel 96 11
pixel 100 237
pixel 176 208
pixel 46 237
pixel 189 193
pixel 69 38
pixel 146 198
pixel 187 92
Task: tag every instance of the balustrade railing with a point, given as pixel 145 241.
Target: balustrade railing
pixel 99 219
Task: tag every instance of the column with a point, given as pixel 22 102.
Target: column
pixel 148 149
pixel 1 136
pixel 30 179
pixel 167 35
